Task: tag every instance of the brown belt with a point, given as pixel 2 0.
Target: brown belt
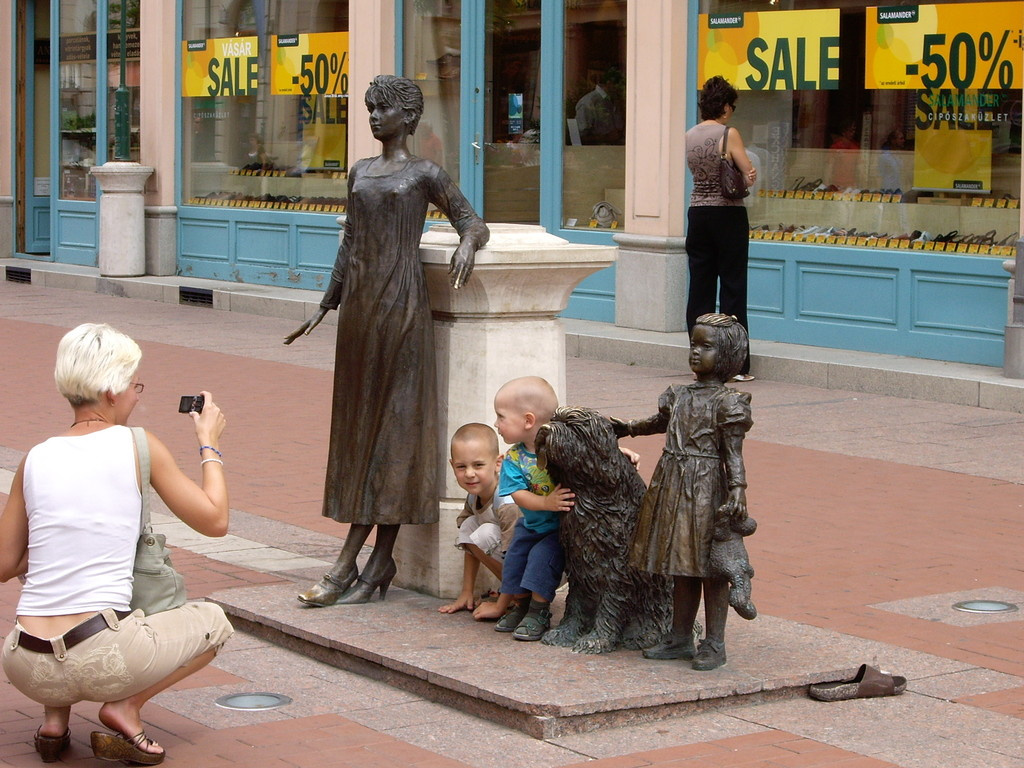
pixel 72 637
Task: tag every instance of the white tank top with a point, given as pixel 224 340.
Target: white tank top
pixel 84 506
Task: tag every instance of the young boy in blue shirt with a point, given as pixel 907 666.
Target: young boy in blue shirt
pixel 534 562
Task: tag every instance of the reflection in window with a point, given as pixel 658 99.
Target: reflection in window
pixel 594 160
pixel 434 60
pixel 265 107
pixel 77 57
pixel 883 167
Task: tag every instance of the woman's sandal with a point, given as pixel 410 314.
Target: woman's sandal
pixel 115 746
pixel 50 747
pixel 867 683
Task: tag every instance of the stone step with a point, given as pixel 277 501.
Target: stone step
pixel 541 690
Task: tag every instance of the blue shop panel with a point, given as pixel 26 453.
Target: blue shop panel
pixel 594 298
pixel 766 287
pixel 971 306
pixel 77 237
pixel 316 248
pixel 41 228
pixel 264 244
pixel 850 295
pixel 204 247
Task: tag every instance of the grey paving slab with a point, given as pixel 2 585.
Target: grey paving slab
pixel 911 731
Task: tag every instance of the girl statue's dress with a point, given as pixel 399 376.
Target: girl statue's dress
pixel 692 479
pixel 385 433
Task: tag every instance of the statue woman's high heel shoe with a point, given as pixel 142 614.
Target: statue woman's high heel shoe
pixel 327 591
pixel 362 590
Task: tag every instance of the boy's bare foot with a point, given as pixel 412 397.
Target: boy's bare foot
pixel 489 611
pixel 464 602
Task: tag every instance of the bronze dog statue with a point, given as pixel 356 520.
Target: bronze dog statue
pixel 610 604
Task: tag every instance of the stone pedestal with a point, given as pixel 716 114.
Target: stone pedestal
pixel 122 249
pixel 650 283
pixel 502 324
pixel 1013 340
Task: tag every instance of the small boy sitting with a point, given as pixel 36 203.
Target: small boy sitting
pixel 487 520
pixel 534 562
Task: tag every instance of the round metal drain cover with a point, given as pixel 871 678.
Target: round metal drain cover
pixel 984 606
pixel 252 701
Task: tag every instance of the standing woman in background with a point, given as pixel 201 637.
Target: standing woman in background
pixel 717 229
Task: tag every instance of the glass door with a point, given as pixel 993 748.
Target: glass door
pixel 511 112
pixel 33 128
pixel 478 65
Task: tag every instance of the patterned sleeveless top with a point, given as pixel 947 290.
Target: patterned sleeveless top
pixel 702 155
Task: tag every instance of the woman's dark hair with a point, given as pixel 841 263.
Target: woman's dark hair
pixel 714 96
pixel 732 343
pixel 397 92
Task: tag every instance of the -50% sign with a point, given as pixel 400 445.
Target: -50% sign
pixel 310 64
pixel 956 64
pixel 962 46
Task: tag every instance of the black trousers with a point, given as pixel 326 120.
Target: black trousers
pixel 717 237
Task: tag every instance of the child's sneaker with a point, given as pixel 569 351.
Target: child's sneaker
pixel 534 625
pixel 513 617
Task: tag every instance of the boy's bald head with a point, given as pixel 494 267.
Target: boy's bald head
pixel 530 394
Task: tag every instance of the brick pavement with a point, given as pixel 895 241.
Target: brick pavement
pixel 876 514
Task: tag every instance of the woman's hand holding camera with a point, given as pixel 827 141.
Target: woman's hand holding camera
pixel 210 422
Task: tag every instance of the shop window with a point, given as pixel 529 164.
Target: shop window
pixel 77 104
pixel 265 104
pixel 892 127
pixel 594 161
pixel 433 58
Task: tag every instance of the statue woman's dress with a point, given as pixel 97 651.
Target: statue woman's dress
pixel 385 435
pixel 691 481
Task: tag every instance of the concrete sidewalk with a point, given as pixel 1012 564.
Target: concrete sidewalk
pixel 876 514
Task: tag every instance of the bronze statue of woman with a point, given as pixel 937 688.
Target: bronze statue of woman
pixel 385 429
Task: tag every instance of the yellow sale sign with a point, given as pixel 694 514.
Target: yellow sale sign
pixel 771 50
pixel 226 66
pixel 960 45
pixel 307 64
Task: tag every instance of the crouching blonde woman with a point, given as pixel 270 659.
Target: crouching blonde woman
pixel 70 529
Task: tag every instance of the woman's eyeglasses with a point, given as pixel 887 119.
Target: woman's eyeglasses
pixel 139 386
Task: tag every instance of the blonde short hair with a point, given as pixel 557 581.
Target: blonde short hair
pixel 92 359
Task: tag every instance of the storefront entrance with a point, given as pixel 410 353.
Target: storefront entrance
pixel 32 129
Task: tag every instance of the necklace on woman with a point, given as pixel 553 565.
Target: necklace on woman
pixel 86 421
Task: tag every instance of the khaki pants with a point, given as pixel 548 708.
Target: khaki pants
pixel 127 657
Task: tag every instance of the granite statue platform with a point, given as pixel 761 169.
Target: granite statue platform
pixel 542 690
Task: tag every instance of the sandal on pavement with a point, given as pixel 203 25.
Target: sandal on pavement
pixel 50 747
pixel 513 618
pixel 867 683
pixel 533 626
pixel 115 746
pixel 743 377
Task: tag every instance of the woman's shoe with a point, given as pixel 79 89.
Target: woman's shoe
pixel 111 746
pixel 327 591
pixel 362 590
pixel 743 377
pixel 50 747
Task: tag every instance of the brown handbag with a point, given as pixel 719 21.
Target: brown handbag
pixel 734 186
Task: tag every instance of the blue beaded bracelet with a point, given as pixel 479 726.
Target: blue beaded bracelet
pixel 209 447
